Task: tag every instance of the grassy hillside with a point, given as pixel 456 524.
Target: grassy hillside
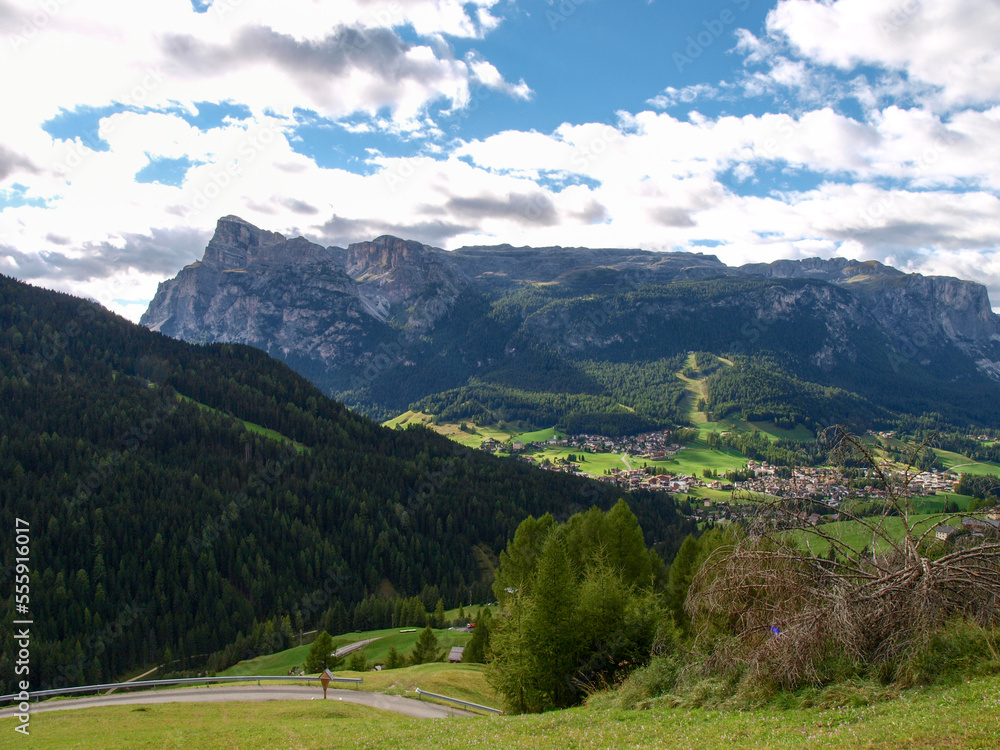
pixel 957 716
pixel 280 663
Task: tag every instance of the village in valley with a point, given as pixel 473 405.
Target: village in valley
pixel 718 496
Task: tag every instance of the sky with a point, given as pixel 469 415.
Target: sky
pixel 752 130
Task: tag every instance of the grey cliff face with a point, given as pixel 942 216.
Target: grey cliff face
pixel 346 317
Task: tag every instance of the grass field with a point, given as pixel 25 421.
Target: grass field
pixel 594 464
pixel 540 436
pixel 964 465
pixel 856 535
pixel 470 611
pixel 466 682
pixel 692 460
pixel 716 496
pixel 452 431
pixel 801 433
pixel 279 663
pixel 959 716
pixel 697 457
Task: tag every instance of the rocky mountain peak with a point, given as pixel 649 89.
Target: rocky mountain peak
pixel 237 243
pixel 384 254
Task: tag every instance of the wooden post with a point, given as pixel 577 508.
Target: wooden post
pixel 325 681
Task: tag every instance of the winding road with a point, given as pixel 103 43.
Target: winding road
pixel 396 703
pixel 352 647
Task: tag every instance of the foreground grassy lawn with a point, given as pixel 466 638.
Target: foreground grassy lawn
pixel 466 682
pixel 962 716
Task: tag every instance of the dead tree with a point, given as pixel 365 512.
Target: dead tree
pixel 785 608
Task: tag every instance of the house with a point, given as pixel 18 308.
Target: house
pixel 518 446
pixel 979 526
pixel 455 655
pixel 944 532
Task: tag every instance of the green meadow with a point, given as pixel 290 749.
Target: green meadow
pixel 279 663
pixel 955 716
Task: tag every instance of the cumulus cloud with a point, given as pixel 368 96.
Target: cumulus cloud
pixel 529 208
pixel 950 44
pixel 340 231
pixel 350 70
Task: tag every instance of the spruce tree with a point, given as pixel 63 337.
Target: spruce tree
pixel 426 648
pixel 552 628
pixel 479 645
pixel 679 579
pixel 393 660
pixel 358 662
pixel 510 670
pixel 321 654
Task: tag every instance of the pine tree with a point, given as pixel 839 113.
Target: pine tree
pixel 625 547
pixel 426 648
pixel 517 562
pixel 321 655
pixel 358 662
pixel 679 579
pixel 479 645
pixel 552 628
pixel 439 614
pixel 510 670
pixel 393 660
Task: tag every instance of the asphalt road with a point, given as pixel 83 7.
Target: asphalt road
pixel 398 704
pixel 351 648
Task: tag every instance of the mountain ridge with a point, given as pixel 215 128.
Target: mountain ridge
pixel 354 320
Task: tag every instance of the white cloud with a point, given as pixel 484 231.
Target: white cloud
pixel 672 96
pixel 912 185
pixel 950 44
pixel 335 58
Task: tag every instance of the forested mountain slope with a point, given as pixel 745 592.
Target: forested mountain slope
pixel 176 493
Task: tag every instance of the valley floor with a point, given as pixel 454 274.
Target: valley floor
pixel 961 716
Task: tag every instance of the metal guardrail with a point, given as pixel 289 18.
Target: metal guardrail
pixel 165 683
pixel 461 702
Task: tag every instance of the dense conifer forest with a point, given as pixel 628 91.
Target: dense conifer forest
pixel 185 498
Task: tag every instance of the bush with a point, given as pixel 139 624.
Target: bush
pixel 358 662
pixel 656 679
pixel 958 651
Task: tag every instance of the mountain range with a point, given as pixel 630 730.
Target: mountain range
pixel 552 335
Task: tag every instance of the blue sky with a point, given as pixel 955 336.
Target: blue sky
pixel 757 129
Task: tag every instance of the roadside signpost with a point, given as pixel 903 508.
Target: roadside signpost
pixel 324 680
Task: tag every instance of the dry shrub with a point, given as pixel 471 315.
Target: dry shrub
pixel 788 612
